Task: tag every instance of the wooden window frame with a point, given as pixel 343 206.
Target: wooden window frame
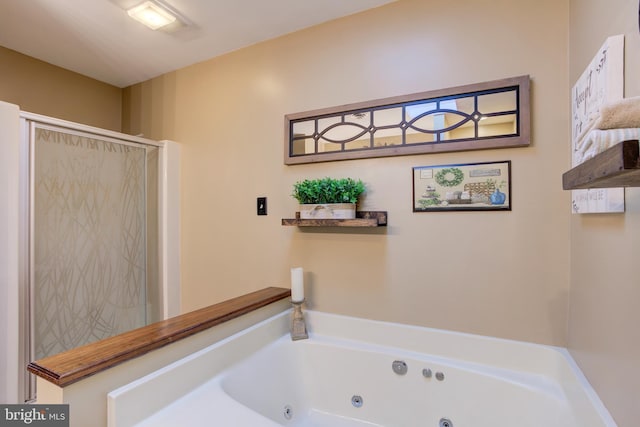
pixel 520 138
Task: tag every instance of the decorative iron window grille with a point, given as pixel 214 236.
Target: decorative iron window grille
pixel 480 116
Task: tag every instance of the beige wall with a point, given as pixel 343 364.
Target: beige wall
pixel 604 315
pixel 495 273
pixel 45 89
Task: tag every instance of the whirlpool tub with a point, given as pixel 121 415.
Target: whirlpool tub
pixel 355 372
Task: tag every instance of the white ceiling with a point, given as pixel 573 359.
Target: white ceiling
pixel 98 39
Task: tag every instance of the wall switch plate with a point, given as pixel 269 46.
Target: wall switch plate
pixel 262 206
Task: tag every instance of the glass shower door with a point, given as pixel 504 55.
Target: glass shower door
pixel 94 238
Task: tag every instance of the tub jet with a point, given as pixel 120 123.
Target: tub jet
pixel 399 367
pixel 357 401
pixel 288 412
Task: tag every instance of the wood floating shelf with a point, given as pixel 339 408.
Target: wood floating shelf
pixel 618 166
pixel 362 219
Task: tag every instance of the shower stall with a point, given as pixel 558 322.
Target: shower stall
pixel 97 235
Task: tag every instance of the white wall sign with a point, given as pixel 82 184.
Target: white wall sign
pixel 601 82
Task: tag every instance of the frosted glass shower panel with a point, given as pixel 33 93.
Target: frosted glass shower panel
pixel 89 251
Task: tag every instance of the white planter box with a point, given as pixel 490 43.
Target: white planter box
pixel 328 211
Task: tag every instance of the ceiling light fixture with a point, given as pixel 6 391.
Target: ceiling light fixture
pixel 152 14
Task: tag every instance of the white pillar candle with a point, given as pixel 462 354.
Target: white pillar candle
pixel 297 284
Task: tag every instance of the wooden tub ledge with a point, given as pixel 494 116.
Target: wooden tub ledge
pixel 76 364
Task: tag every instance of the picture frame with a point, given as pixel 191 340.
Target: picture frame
pixel 462 187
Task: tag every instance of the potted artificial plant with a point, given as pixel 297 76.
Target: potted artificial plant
pixel 328 197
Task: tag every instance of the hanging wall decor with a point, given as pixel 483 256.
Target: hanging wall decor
pixel 600 85
pixel 479 116
pixel 462 187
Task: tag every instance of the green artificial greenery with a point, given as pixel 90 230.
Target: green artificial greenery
pixel 328 190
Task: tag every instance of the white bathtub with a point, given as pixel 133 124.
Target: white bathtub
pixel 342 376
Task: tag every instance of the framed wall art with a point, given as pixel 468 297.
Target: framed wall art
pixel 601 83
pixel 462 187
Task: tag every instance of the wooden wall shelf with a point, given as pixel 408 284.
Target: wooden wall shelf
pixel 618 166
pixel 363 219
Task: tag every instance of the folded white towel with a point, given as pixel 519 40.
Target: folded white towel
pixel 590 124
pixel 620 114
pixel 598 140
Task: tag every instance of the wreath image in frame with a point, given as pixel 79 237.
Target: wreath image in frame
pixel 462 187
pixel 450 177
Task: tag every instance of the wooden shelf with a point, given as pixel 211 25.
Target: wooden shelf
pixel 618 166
pixel 68 367
pixel 363 219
